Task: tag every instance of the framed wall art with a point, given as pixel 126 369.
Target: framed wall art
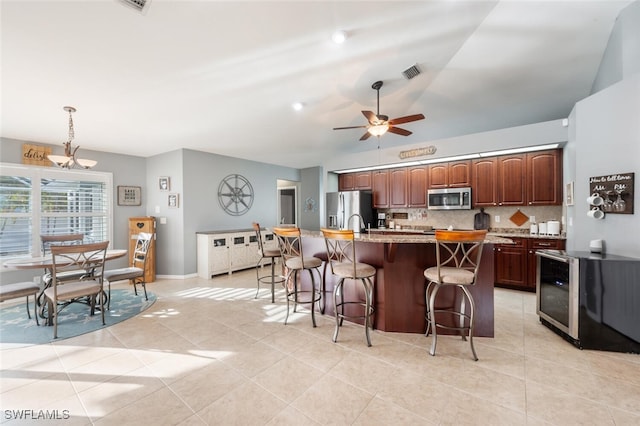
pixel 129 196
pixel 164 183
pixel 174 201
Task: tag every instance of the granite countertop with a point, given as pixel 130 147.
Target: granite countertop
pixel 500 232
pixel 419 237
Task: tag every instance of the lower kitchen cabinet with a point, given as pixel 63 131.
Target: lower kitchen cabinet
pixel 511 263
pixel 223 253
pixel 516 264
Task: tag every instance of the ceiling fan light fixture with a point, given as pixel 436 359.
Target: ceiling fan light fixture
pixel 378 129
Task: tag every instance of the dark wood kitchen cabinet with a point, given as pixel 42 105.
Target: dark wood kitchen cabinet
pixel 398 187
pixel 511 263
pixel 512 174
pixel 354 181
pixel 454 174
pixel 484 182
pixel 380 186
pixel 544 178
pixel 417 191
pixel 516 264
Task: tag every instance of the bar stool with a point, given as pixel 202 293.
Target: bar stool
pixel 272 255
pixel 290 243
pixel 458 256
pixel 341 254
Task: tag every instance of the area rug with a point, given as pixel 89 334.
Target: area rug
pixel 16 329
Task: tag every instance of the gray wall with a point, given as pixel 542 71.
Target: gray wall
pixel 604 140
pixel 621 58
pixel 311 197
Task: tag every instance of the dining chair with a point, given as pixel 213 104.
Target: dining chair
pixel 290 243
pixel 134 273
pixel 47 241
pixel 341 255
pixel 272 255
pixel 25 288
pixel 458 255
pixel 87 258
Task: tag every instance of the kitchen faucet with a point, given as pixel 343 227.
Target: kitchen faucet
pixel 361 221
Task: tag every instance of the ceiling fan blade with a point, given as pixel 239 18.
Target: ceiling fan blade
pixel 406 119
pixel 350 127
pixel 371 117
pixel 399 131
pixel 365 136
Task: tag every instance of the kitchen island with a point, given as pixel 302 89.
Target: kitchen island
pixel 400 284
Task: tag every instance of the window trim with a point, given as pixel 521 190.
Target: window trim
pixel 36 174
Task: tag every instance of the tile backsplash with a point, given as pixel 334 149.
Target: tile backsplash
pixel 463 219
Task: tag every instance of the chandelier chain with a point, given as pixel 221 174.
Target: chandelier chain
pixel 71 131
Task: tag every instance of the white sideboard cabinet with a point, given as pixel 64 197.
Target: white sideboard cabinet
pixel 222 252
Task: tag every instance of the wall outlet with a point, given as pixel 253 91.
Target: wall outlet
pixel 163 221
pixel 36 280
pixel 532 219
pixel 497 219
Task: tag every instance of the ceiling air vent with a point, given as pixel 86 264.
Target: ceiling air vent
pixel 411 72
pixel 139 5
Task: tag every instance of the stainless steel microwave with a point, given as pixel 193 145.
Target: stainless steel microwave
pixel 449 199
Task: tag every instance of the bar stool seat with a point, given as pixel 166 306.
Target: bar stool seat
pixel 341 254
pixel 290 243
pixel 458 255
pixel 272 255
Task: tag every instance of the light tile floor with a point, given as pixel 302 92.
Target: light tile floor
pixel 207 352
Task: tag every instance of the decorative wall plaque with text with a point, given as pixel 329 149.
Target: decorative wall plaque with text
pixel 616 190
pixel 36 155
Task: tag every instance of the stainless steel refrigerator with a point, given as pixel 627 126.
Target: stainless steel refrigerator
pixel 343 208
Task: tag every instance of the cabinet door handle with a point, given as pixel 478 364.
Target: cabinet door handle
pixel 545 244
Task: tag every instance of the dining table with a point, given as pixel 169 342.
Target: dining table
pixel 46 263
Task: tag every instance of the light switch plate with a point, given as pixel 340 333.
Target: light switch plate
pixel 163 221
pixel 157 209
pixel 497 219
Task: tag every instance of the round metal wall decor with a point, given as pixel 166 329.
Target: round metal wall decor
pixel 235 195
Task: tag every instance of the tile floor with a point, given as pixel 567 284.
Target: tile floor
pixel 207 352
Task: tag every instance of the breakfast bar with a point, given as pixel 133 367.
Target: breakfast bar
pixel 400 284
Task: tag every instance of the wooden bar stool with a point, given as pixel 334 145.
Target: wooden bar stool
pixel 458 256
pixel 341 255
pixel 290 242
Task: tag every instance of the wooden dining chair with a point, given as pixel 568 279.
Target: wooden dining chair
pixel 81 258
pixel 134 273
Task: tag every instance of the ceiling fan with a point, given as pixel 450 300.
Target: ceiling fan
pixel 379 124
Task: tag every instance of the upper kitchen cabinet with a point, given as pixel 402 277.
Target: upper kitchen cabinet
pixel 454 174
pixel 484 183
pixel 354 181
pixel 380 186
pixel 398 187
pixel 417 191
pixel 544 172
pixel 531 179
pixel 512 173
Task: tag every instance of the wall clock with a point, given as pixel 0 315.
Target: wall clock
pixel 235 195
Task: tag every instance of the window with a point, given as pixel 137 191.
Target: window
pixel 37 201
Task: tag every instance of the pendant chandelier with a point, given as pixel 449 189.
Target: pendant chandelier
pixel 69 160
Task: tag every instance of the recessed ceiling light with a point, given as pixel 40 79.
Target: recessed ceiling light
pixel 297 106
pixel 339 37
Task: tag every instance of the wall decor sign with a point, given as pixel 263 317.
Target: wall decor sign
pixel 235 195
pixel 616 191
pixel 129 196
pixel 418 152
pixel 164 183
pixel 36 155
